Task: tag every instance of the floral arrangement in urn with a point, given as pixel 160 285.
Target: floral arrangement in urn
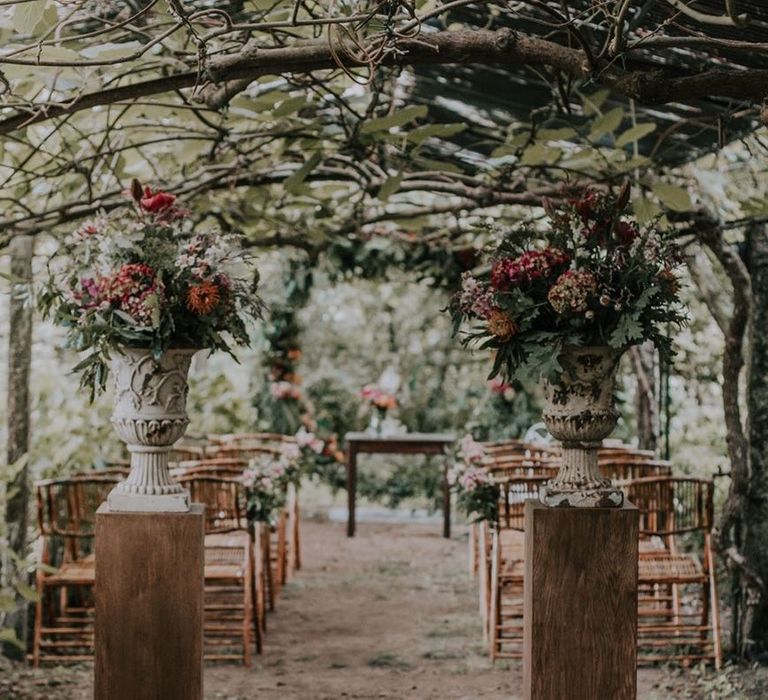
pixel 564 303
pixel 141 292
pixel 592 278
pixel 140 277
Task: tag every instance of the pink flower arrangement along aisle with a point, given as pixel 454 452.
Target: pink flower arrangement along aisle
pixel 141 292
pixel 562 304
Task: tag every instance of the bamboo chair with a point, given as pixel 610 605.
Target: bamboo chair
pixel 231 596
pixel 510 458
pixel 283 536
pixel 678 611
pixel 504 605
pixel 266 576
pixel 287 536
pixel 66 516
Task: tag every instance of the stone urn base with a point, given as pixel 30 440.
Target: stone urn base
pixel 579 412
pixel 150 416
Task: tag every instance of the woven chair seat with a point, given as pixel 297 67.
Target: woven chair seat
pixel 651 545
pixel 81 572
pixel 670 568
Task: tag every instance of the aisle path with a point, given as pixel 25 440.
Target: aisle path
pixel 389 614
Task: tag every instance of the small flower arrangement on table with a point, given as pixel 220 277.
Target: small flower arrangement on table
pixel 476 494
pixel 380 401
pixel 592 278
pixel 142 277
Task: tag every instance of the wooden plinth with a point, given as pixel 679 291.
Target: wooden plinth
pixel 580 609
pixel 149 605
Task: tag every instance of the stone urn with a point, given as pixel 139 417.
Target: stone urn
pixel 150 416
pixel 579 412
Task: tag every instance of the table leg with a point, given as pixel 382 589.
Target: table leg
pixel 446 503
pixel 351 488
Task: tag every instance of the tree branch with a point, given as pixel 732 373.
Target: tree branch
pixel 500 48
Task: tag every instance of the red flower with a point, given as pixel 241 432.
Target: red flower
pixel 586 206
pixel 626 232
pixel 156 202
pixel 529 267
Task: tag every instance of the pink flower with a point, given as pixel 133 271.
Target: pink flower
pixel 284 391
pixel 377 397
pixel 472 478
pixel 87 230
pixel 471 450
pixel 303 437
pixel 474 297
pixel 291 451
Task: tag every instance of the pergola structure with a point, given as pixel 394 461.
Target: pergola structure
pixel 377 116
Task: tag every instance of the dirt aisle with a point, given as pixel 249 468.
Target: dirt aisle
pixel 389 614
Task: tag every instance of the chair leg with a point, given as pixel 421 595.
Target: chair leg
pixel 494 614
pixel 296 533
pixel 485 586
pixel 270 581
pixel 252 583
pixel 37 633
pixel 715 607
pixel 261 578
pixel 247 618
pixel 282 548
pixel 473 550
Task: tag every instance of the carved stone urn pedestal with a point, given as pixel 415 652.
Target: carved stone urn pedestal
pixel 150 416
pixel 579 412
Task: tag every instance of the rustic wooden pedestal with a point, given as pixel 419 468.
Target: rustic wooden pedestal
pixel 580 603
pixel 149 605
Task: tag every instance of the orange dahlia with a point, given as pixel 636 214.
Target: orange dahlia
pixel 501 325
pixel 203 298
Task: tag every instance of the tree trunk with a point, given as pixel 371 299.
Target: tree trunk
pixel 755 522
pixel 646 397
pixel 745 586
pixel 19 357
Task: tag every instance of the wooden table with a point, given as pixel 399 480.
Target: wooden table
pixel 406 444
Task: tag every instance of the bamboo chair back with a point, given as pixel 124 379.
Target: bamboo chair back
pixel 250 438
pixel 66 510
pixel 243 451
pixel 513 492
pixel 224 499
pixel 181 453
pixel 634 469
pixel 672 505
pixel 107 471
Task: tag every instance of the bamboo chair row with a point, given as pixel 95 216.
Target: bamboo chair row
pixel 244 567
pixel 677 607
